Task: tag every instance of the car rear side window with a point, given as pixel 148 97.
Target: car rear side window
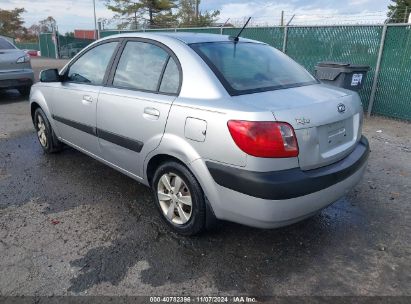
pixel 91 67
pixel 252 67
pixel 140 67
pixel 171 78
pixel 5 45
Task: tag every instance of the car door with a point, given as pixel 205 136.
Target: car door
pixel 132 109
pixel 75 98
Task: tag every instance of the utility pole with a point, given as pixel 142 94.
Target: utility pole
pixel 406 15
pixel 95 20
pixel 377 69
pixel 282 18
pixel 54 37
pixel 196 9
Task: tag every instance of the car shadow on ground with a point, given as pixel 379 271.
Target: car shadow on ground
pixel 11 96
pixel 238 258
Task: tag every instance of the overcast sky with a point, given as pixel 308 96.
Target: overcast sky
pixel 78 14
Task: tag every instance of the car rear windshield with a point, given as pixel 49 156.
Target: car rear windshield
pixel 245 67
pixel 5 45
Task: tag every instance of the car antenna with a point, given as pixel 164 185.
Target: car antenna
pixel 237 38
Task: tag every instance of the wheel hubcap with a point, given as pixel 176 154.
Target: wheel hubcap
pixel 41 131
pixel 174 198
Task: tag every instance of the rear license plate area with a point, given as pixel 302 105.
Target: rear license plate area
pixel 337 133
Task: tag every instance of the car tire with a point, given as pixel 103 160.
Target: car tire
pixel 24 91
pixel 45 134
pixel 174 203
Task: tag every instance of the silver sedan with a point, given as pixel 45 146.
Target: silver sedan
pixel 220 128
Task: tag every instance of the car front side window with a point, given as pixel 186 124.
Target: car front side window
pixel 91 67
pixel 140 67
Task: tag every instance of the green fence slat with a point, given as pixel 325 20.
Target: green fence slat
pixel 351 44
pixel 104 34
pixel 43 45
pixel 393 96
pixel 273 36
pixel 160 30
pixel 70 46
pixel 28 46
pixel 200 30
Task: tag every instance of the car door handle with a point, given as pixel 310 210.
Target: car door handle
pixel 87 98
pixel 151 113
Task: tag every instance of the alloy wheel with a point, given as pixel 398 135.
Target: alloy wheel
pixel 41 131
pixel 174 198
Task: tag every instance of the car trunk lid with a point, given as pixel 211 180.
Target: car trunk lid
pixel 326 120
pixel 8 58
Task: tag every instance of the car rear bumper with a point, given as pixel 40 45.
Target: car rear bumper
pixel 16 78
pixel 273 199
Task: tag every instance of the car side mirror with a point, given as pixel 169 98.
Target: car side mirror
pixel 51 75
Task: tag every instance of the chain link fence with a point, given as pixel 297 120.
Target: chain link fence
pixel 28 46
pixel 385 48
pixel 352 44
pixel 393 92
pixel 59 46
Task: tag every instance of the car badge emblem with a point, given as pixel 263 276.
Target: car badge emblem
pixel 341 108
pixel 302 121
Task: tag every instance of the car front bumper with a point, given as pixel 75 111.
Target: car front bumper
pixel 16 78
pixel 279 198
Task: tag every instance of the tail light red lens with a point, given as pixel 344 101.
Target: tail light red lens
pixel 264 138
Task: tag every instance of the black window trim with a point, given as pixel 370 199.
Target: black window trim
pixel 230 90
pixel 163 70
pixel 64 72
pixel 171 54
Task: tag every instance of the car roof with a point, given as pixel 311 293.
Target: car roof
pixel 186 37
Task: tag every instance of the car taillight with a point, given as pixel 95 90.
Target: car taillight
pixel 264 138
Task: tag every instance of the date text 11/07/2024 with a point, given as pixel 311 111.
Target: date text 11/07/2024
pixel 203 299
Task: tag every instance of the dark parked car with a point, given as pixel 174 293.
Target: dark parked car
pixel 15 68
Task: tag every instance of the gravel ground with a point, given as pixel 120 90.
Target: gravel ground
pixel 72 226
